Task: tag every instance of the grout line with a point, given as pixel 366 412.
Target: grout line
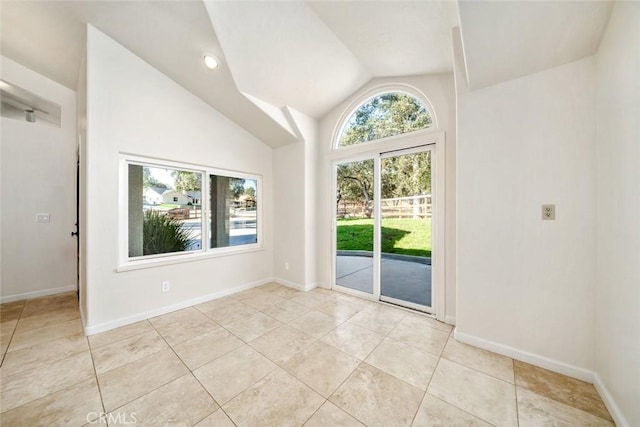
pixel 95 374
pixel 4 354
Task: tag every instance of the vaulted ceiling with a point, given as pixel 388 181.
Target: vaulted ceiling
pixel 305 55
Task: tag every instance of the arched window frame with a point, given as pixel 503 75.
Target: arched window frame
pixel 368 95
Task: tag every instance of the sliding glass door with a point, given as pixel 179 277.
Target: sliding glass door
pixel 383 223
pixel 405 232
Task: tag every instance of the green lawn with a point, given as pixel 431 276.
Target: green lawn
pixel 399 236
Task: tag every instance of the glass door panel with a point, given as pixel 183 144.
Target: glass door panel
pixel 355 225
pixel 405 235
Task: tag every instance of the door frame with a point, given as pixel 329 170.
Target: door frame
pixel 397 145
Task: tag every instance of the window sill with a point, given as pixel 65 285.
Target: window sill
pixel 188 257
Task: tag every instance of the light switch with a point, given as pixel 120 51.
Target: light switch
pixel 42 217
pixel 548 212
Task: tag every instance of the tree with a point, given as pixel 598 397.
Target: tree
pixel 250 191
pixel 186 181
pixel 236 185
pixel 385 115
pixel 149 181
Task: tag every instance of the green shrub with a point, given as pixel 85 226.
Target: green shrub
pixel 162 234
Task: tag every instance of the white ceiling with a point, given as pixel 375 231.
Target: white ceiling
pixel 504 40
pixel 307 55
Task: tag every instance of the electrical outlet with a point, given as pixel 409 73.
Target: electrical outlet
pixel 286 266
pixel 165 286
pixel 548 212
pixel 42 217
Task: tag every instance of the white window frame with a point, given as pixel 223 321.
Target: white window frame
pixel 127 263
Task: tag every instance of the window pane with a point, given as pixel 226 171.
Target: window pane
pixel 234 211
pixel 165 215
pixel 385 115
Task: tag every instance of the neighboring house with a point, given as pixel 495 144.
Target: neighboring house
pixel 153 195
pixel 175 197
pixel 195 197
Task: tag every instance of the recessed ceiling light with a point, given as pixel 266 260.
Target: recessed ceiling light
pixel 211 62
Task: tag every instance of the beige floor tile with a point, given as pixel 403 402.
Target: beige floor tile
pixel 252 327
pixel 340 309
pixel 353 340
pixel 75 405
pixel 47 319
pixel 50 333
pixel 421 335
pixel 50 303
pixel 286 311
pixel 120 333
pixel 11 311
pixel 330 415
pixel 182 325
pixel 263 300
pixel 128 350
pixel 481 360
pixel 376 398
pixel 282 343
pixel 247 294
pixel 486 397
pixel 322 367
pixel 227 313
pixel 7 328
pixel 27 386
pixel 229 375
pixel 207 347
pixel 310 299
pixel 277 400
pixel 269 287
pixel 129 382
pixel 434 412
pixel 405 362
pixel 535 410
pixel 285 292
pixel 217 419
pixel 181 402
pixel 315 323
pixel 378 318
pixel 41 354
pixel 570 391
pixel 357 301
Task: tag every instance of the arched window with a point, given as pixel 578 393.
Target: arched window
pixel 384 115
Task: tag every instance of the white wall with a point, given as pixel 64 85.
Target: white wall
pixel 618 283
pixel 525 284
pixel 295 227
pixel 133 108
pixel 38 176
pixel 439 89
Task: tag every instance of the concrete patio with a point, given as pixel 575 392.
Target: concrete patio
pixel 401 278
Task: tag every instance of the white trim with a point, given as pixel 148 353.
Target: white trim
pixel 391 143
pixel 297 286
pixel 107 326
pixel 371 93
pixel 408 304
pixel 609 402
pixel 525 356
pixel 450 320
pixel 36 294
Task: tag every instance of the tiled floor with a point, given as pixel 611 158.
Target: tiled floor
pixel 271 356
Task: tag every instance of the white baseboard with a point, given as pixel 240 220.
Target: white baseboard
pixel 450 320
pixel 107 326
pixel 611 405
pixel 36 294
pixel 297 286
pixel 525 356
